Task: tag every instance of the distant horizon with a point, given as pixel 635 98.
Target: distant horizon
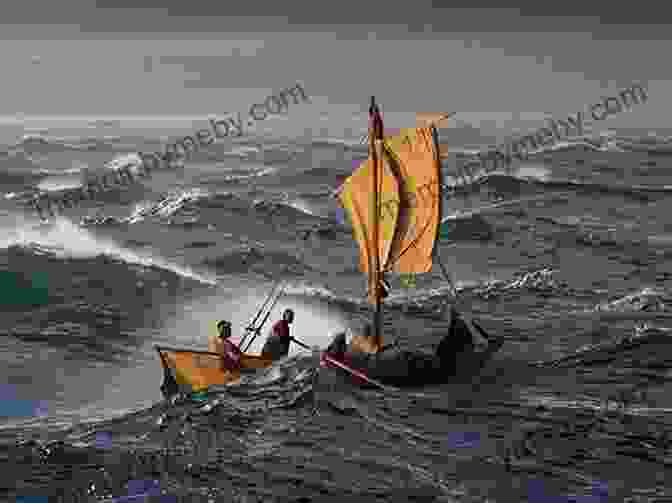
pixel 30 123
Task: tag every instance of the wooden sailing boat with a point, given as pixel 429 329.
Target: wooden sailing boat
pixel 394 201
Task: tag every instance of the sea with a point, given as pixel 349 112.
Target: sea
pixel 567 255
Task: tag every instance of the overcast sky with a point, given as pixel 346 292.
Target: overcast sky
pixel 501 66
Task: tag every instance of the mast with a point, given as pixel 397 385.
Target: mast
pixel 375 148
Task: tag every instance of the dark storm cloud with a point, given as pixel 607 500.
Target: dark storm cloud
pixel 388 12
pixel 421 18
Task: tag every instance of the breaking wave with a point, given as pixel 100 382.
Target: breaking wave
pixel 621 347
pixel 648 299
pixel 65 240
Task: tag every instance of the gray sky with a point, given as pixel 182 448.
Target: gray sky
pixel 504 67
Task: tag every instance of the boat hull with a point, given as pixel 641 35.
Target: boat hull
pixel 192 371
pixel 414 368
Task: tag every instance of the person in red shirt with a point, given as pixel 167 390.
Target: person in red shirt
pixel 277 343
pixel 222 345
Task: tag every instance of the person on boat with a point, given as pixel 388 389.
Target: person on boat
pixel 222 345
pixel 277 343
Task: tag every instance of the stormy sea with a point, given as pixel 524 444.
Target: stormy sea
pixel 567 255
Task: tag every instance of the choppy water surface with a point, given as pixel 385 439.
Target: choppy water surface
pixel 569 258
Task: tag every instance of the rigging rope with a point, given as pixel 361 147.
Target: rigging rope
pixel 257 330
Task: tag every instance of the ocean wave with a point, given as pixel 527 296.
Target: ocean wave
pixel 283 385
pixel 288 208
pixel 596 143
pixel 64 239
pixel 248 174
pixel 432 300
pixel 187 203
pixel 257 259
pixel 538 281
pixel 323 173
pixel 191 200
pixel 607 351
pixel 31 143
pixel 599 142
pixel 569 145
pixel 129 163
pixel 56 172
pixel 509 184
pixel 604 238
pixel 354 144
pixel 594 232
pixel 647 300
pixel 651 145
pixel 167 206
pixel 417 301
pixel 130 160
pixel 60 185
pixel 243 151
pixel 102 220
pixel 425 301
pixel 301 288
pixel 467 227
pixel 502 206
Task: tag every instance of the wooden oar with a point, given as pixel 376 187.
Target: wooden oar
pixel 359 374
pixel 348 369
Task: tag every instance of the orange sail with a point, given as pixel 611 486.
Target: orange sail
pixel 354 197
pixel 410 208
pixel 414 157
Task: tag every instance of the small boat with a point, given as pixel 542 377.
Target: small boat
pixel 192 371
pixel 449 363
pixel 393 202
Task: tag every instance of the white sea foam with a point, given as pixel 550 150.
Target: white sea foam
pixel 66 239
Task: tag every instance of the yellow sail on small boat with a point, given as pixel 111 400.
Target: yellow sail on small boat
pixel 414 156
pixel 355 198
pixel 405 184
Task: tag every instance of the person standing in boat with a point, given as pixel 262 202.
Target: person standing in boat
pixel 277 343
pixel 222 345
